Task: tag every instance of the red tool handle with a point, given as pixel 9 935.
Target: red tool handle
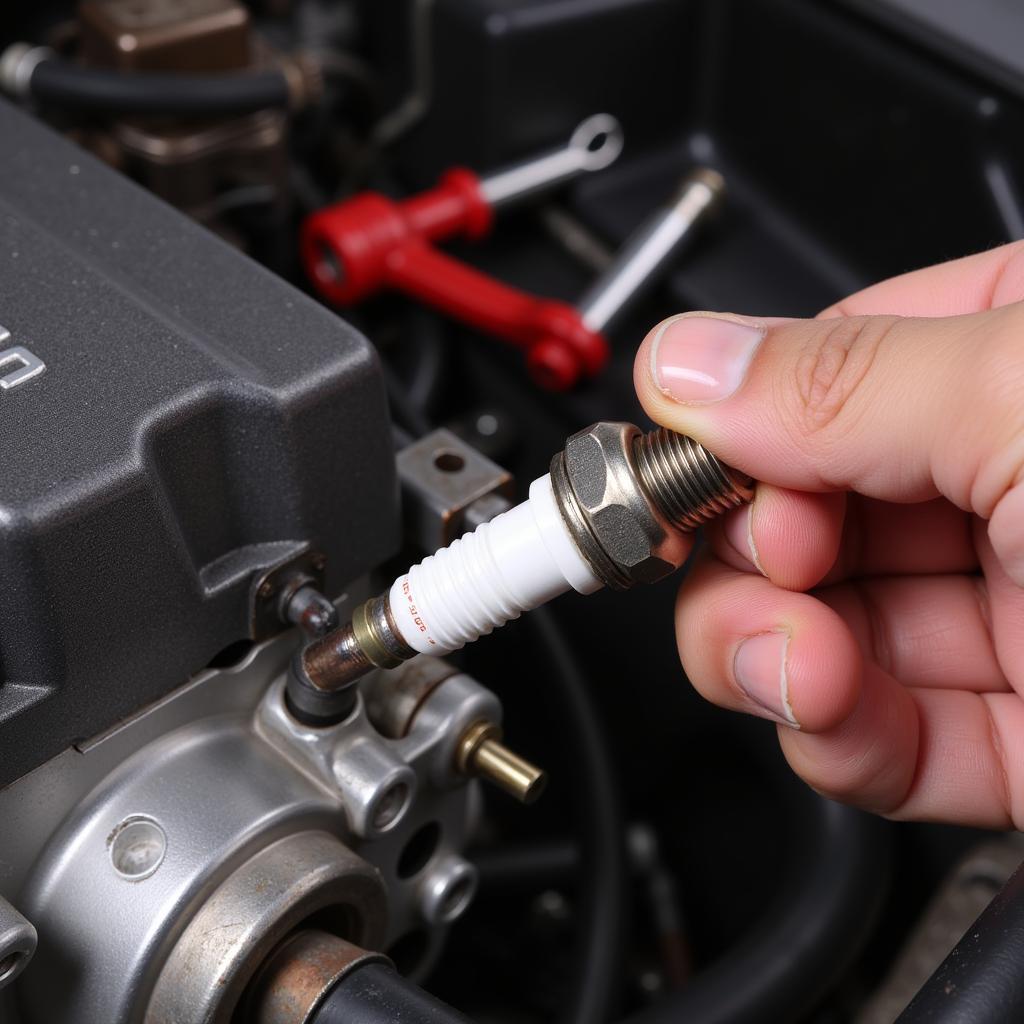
pixel 370 242
pixel 560 349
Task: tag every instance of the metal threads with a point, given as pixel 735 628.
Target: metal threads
pixel 686 482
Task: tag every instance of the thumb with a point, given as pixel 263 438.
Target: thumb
pixel 896 408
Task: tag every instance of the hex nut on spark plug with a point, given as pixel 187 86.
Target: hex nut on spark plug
pixel 628 498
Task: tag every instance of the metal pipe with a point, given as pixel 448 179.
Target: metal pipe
pixel 649 252
pixel 481 752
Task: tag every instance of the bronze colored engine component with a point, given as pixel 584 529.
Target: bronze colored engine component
pixel 166 35
pixel 481 752
pixel 300 973
pixel 204 167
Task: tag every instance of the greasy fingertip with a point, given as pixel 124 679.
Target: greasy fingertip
pixel 749 645
pixel 823 668
pixel 870 757
pixel 735 539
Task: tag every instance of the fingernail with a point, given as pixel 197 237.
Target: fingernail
pixel 703 357
pixel 739 532
pixel 760 670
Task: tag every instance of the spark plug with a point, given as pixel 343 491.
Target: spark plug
pixel 612 512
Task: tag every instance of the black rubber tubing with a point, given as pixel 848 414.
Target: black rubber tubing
pixel 814 928
pixel 602 914
pixel 982 979
pixel 376 993
pixel 72 87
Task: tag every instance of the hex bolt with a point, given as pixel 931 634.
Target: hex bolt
pixel 613 511
pixel 310 610
pixel 480 752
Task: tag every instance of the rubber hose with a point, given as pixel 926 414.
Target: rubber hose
pixel 601 921
pixel 813 930
pixel 376 993
pixel 982 980
pixel 73 87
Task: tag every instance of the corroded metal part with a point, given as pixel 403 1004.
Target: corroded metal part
pixel 256 907
pixel 300 973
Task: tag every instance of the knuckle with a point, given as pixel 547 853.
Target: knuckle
pixel 833 365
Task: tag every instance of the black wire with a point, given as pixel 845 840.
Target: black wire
pixel 405 414
pixel 428 374
pixel 73 87
pixel 602 915
pixel 817 923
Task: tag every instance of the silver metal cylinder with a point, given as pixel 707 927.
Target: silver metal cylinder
pixel 17 63
pixel 596 143
pixel 650 250
pixel 17 943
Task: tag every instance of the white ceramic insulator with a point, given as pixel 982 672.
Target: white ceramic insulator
pixel 517 561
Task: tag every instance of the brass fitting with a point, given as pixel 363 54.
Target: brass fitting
pixel 480 752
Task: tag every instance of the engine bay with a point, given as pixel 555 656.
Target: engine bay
pixel 295 293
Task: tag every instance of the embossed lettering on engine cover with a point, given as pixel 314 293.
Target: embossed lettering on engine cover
pixel 21 364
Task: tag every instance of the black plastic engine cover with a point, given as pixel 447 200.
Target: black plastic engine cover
pixel 198 420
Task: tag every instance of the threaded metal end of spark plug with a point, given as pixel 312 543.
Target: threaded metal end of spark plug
pixel 627 498
pixel 688 484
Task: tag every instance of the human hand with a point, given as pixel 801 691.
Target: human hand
pixel 871 599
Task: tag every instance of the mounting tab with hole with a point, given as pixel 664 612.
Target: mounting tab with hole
pixel 368 243
pixel 448 488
